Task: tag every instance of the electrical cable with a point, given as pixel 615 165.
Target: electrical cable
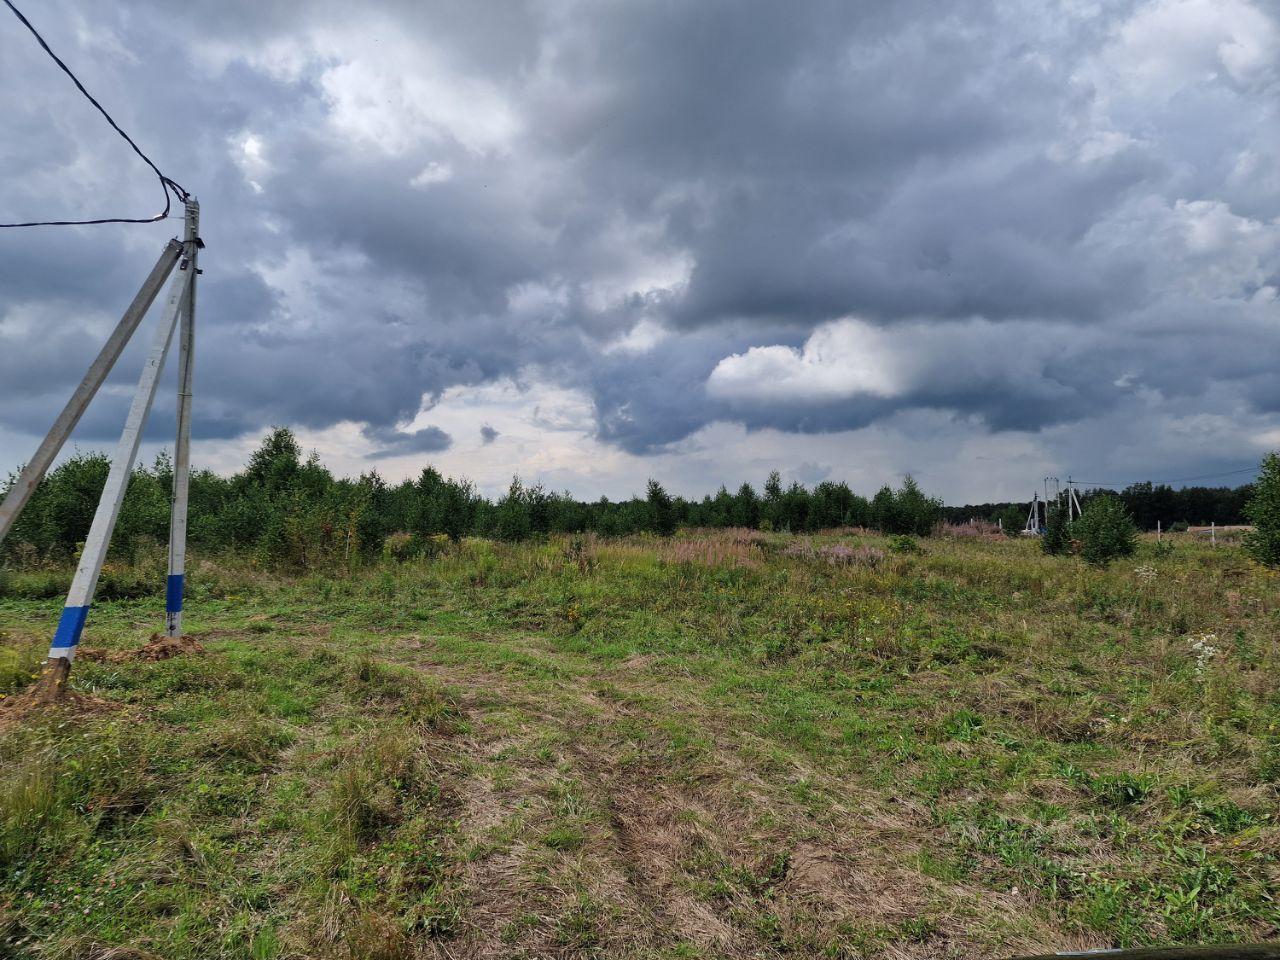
pixel 1206 476
pixel 166 183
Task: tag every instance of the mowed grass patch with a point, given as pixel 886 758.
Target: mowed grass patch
pixel 1026 750
pixel 229 802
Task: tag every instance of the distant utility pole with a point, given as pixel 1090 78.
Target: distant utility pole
pixel 1052 496
pixel 1033 517
pixel 178 312
pixel 1073 502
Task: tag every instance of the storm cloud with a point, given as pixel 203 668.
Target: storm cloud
pixel 838 223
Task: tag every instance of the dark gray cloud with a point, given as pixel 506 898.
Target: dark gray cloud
pixel 396 443
pixel 488 434
pixel 1034 217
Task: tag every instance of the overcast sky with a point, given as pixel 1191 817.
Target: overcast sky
pixel 592 242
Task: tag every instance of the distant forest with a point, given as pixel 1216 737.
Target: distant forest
pixel 290 508
pixel 1147 504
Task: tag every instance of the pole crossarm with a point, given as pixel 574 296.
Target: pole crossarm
pixel 53 442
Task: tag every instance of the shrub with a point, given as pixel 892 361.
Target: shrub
pixel 863 556
pixel 902 543
pixel 1105 530
pixel 397 547
pixel 1263 542
pixel 433 545
pixel 1057 532
pixel 17 669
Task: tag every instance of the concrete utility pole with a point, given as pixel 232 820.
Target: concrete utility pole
pixel 182 446
pixel 1073 502
pixel 179 311
pixel 1033 516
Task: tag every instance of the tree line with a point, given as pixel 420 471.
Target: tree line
pixel 292 509
pixel 289 508
pixel 1106 529
pixel 1146 503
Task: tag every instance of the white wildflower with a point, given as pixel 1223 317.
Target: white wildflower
pixel 1204 648
pixel 1145 573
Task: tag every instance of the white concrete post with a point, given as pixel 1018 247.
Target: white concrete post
pixel 80 596
pixel 182 447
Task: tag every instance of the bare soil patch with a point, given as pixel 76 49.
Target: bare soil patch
pixel 37 701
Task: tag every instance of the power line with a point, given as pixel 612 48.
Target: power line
pixel 1174 480
pixel 167 184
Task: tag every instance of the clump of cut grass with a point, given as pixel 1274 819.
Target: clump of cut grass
pixel 408 692
pixel 373 936
pixel 363 794
pixel 253 739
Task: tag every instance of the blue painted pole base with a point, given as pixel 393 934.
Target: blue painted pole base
pixel 173 593
pixel 67 637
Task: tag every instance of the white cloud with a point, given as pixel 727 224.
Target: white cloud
pixel 392 92
pixel 641 338
pixel 1170 44
pixel 433 172
pixel 850 358
pixel 248 153
pixel 841 359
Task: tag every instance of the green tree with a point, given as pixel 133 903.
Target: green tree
pixel 1105 530
pixel 275 464
pixel 661 510
pixel 771 505
pixel 1263 511
pixel 1057 532
pixel 917 513
pixel 795 508
pixel 719 512
pixel 512 513
pixel 745 511
pixel 1012 519
pixel 884 510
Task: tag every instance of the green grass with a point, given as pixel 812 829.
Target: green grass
pixel 556 749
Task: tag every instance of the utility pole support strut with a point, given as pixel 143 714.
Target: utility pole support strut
pixel 80 596
pixel 38 465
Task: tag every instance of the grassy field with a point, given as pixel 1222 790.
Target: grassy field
pixel 727 745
